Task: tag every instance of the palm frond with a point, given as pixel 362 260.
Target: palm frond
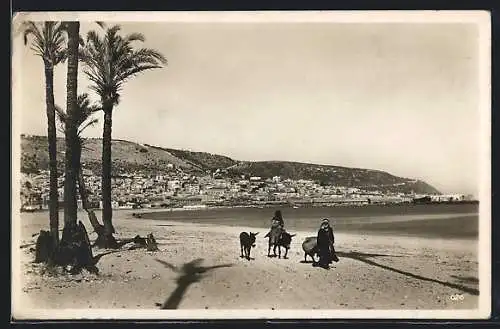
pixel 108 61
pixel 83 99
pixel 87 124
pixel 149 56
pixel 93 39
pixel 37 44
pixel 61 56
pixel 48 40
pixel 37 50
pixel 134 37
pixel 84 115
pixel 136 70
pixel 61 118
pixel 101 24
pixel 30 27
pixel 81 42
pixel 61 114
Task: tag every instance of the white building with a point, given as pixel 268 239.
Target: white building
pixel 216 191
pixel 173 184
pixel 447 197
pixel 192 188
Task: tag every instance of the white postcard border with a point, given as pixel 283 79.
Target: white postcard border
pixel 481 18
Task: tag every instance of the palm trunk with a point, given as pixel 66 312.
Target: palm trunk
pixel 107 212
pixel 52 140
pixel 74 249
pixel 71 138
pixel 98 228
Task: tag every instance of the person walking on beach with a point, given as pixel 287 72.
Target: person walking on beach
pixel 325 244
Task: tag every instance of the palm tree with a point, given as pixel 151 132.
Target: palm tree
pixel 109 62
pixel 84 119
pixel 48 42
pixel 71 138
pixel 74 248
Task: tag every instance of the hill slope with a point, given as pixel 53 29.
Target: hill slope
pixel 366 179
pixel 129 156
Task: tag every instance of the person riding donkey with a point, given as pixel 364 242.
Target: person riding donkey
pixel 279 218
pixel 274 234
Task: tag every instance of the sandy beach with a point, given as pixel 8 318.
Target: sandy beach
pixel 374 272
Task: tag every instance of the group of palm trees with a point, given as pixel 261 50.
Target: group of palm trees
pixel 108 60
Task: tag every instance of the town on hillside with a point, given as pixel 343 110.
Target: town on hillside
pixel 177 189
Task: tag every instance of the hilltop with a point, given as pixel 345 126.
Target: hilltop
pixel 129 156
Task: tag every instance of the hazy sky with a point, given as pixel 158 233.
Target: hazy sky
pixel 396 97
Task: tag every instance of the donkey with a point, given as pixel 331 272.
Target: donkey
pixel 284 241
pixel 278 238
pixel 247 242
pixel 274 236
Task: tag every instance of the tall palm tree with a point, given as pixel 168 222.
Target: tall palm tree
pixel 84 119
pixel 109 61
pixel 48 42
pixel 71 136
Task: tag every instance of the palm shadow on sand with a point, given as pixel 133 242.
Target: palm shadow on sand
pixel 364 257
pixel 189 273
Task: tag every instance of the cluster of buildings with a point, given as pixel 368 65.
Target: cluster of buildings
pixel 177 189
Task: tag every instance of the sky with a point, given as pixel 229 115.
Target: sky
pixel 398 97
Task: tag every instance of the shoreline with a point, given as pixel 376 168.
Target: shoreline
pixel 402 222
pixel 286 205
pixel 463 225
pixel 389 234
pixel 236 229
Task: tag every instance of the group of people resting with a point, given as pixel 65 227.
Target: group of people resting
pixel 325 239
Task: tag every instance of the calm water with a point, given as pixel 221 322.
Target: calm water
pixel 443 221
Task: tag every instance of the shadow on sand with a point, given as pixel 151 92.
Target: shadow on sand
pixel 189 273
pixel 364 257
pixel 466 279
pixel 98 257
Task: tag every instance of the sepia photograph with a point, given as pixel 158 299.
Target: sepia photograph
pixel 265 165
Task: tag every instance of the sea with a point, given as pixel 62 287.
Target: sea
pixel 445 221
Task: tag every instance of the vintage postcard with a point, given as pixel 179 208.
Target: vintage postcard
pixel 270 165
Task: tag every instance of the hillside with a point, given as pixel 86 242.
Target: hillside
pixel 202 160
pixel 335 175
pixel 129 156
